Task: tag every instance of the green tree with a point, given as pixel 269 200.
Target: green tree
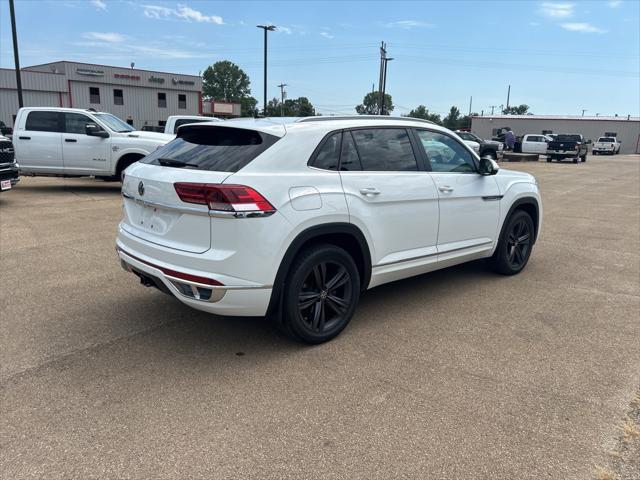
pixel 421 112
pixel 517 110
pixel 371 104
pixel 294 107
pixel 465 121
pixel 451 120
pixel 226 81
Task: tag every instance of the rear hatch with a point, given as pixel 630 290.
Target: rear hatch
pixel 201 154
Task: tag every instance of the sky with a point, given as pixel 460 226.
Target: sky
pixel 559 57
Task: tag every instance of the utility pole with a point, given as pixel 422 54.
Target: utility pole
pixel 266 28
pixel 492 107
pixel 16 58
pixel 482 113
pixel 584 110
pixel 508 95
pixel 470 103
pixel 282 97
pixel 382 84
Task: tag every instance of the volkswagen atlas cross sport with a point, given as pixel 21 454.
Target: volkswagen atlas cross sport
pixel 295 219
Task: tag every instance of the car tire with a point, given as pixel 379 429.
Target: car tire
pixel 575 160
pixel 583 158
pixel 321 294
pixel 549 159
pixel 515 245
pixel 594 153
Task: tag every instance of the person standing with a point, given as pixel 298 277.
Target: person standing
pixel 510 139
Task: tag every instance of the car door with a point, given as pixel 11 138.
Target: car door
pixel 82 153
pixel 391 199
pixel 38 142
pixel 469 202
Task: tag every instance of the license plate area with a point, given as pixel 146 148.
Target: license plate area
pixel 5 185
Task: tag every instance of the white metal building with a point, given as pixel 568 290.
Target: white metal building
pixel 140 97
pixel 626 129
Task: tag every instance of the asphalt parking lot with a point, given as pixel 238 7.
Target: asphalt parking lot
pixel 454 375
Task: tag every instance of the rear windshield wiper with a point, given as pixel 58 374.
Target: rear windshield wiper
pixel 168 162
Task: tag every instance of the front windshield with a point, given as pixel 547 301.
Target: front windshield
pixel 114 123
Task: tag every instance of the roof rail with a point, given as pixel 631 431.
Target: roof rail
pixel 362 117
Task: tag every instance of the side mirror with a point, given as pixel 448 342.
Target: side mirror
pixel 488 166
pixel 94 130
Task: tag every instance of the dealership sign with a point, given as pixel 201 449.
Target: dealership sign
pixel 126 76
pixel 182 82
pixel 90 71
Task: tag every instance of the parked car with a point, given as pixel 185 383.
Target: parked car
pixel 9 171
pixel 534 143
pixel 490 148
pixel 76 142
pixel 174 121
pixel 5 130
pixel 567 145
pixel 609 145
pixel 295 221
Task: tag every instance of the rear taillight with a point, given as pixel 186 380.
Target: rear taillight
pixel 226 198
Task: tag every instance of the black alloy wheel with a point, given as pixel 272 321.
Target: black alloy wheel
pixel 515 246
pixel 322 292
pixel 519 244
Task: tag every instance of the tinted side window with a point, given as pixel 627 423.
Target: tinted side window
pixel 328 156
pixel 349 159
pixel 385 149
pixel 75 123
pixel 445 154
pixel 43 121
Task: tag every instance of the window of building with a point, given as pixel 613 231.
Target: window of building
pixel 162 100
pixel 182 100
pixel 94 95
pixel 41 121
pixel 118 97
pixel 385 149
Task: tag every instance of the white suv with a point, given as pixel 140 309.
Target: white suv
pixel 295 219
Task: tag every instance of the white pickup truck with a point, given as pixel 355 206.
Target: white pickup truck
pixel 535 143
pixel 73 142
pixel 174 121
pixel 609 145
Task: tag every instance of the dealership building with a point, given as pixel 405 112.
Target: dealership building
pixel 626 129
pixel 140 97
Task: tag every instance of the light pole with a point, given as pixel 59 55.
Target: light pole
pixel 15 52
pixel 384 83
pixel 266 28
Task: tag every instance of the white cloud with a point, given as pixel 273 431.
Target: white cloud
pixel 282 29
pixel 615 3
pixel 582 27
pixel 408 24
pixel 99 4
pixel 108 37
pixel 557 10
pixel 158 12
pixel 326 35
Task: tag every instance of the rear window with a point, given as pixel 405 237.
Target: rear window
pixel 568 138
pixel 606 140
pixel 40 121
pixel 219 149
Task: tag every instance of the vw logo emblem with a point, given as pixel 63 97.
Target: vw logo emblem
pixel 141 188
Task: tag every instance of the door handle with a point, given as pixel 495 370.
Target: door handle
pixel 445 189
pixel 70 140
pixel 24 138
pixel 369 191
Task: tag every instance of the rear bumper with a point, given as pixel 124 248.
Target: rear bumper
pixel 233 297
pixel 563 153
pixel 604 149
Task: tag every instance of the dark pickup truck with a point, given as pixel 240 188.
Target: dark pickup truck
pixel 490 148
pixel 567 145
